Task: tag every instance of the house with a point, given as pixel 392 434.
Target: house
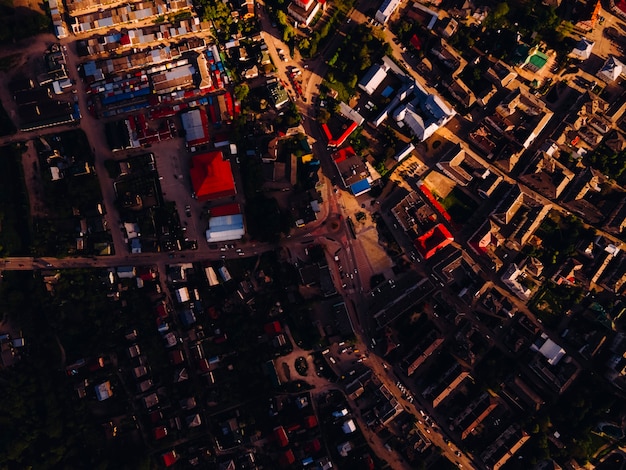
pixel 160 432
pixel 126 272
pixel 211 176
pixel 405 152
pixel 151 400
pixel 280 435
pixel 182 294
pixel 287 458
pixel 103 391
pixel 453 165
pixel 420 354
pixel 474 414
pixel 169 458
pixel 348 427
pixel 344 448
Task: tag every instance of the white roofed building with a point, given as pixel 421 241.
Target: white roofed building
pixel 386 10
pixel 611 70
pixel 373 78
pixel 583 49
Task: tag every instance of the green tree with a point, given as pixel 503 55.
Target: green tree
pixel 501 10
pixel 241 91
pixel 323 116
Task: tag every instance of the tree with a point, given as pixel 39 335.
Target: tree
pixel 501 10
pixel 241 91
pixel 323 116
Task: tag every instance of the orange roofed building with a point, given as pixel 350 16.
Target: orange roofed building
pixel 211 176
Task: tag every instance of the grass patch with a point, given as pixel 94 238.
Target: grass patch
pixel 14 204
pixel 459 206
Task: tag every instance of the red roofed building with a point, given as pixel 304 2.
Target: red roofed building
pixel 287 458
pixel 177 357
pixel 226 209
pixel 416 43
pixel 433 240
pixel 169 458
pixel 273 328
pixel 161 310
pixel 310 421
pixel 160 432
pixel 313 446
pixel 211 176
pixel 281 436
pixel 338 141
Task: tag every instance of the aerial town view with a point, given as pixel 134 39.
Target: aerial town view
pixel 313 234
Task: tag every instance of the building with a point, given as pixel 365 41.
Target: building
pixel 277 92
pixel 211 176
pixel 354 173
pixel 433 240
pixel 511 278
pixel 174 79
pixel 582 50
pixel 225 224
pixel 103 391
pixel 547 175
pixel 196 125
pixel 552 352
pixel 520 117
pixel 405 152
pixel 385 11
pixel 423 113
pixel 611 70
pixel 304 11
pixel 504 447
pixel 373 78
